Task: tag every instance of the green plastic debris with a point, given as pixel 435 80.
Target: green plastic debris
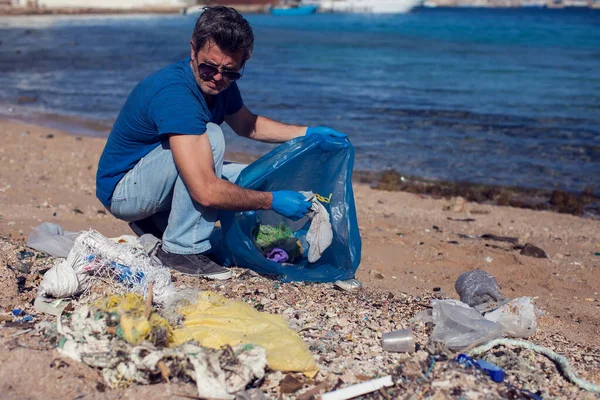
pixel 269 237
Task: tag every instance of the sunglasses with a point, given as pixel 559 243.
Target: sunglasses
pixel 207 72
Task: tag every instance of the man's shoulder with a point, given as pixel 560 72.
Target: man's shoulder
pixel 173 75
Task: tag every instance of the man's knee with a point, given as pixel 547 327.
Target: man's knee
pixel 217 140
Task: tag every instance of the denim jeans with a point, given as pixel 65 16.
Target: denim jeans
pixel 154 188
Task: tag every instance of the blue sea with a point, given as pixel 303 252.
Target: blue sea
pixel 506 97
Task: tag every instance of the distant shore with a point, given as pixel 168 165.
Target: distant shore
pixel 16 11
pixel 243 8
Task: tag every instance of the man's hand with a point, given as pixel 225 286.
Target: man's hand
pixel 290 204
pixel 325 131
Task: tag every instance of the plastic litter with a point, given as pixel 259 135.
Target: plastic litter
pixel 132 325
pixel 401 341
pixel 517 317
pixel 492 370
pixel 321 165
pixel 93 254
pixel 67 278
pixel 24 254
pixel 320 234
pixel 477 287
pixel 218 374
pixel 215 321
pixel 459 326
pixel 51 238
pixel 349 285
pixel 251 394
pixel 359 389
pixel 561 361
pixel 278 255
pixel 51 306
pixel 269 238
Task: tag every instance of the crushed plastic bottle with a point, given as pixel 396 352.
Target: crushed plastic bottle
pixel 477 287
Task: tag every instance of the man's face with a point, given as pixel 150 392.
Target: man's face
pixel 212 55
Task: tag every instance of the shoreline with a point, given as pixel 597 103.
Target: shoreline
pixel 411 243
pixel 585 204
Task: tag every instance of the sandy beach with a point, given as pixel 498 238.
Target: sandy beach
pixel 413 244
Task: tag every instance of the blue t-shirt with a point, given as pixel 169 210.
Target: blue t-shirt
pixel 167 102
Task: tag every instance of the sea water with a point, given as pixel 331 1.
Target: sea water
pixel 507 97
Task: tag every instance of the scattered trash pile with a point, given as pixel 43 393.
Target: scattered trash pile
pixel 129 343
pixel 193 333
pixel 338 344
pixel 484 315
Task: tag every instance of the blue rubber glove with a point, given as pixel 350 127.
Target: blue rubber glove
pixel 290 204
pixel 324 130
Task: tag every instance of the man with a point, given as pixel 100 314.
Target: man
pixel 163 162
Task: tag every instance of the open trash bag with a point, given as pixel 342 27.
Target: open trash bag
pixel 322 165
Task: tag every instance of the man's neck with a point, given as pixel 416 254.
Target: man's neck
pixel 207 97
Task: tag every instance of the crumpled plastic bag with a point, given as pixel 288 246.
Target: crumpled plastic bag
pixel 320 234
pixel 517 317
pixel 477 287
pixel 67 278
pixel 215 321
pixel 51 238
pixel 459 326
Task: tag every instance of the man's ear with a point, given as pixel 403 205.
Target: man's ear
pixel 192 51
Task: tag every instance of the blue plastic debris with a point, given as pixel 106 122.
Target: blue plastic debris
pixel 28 318
pixel 125 274
pixel 17 312
pixel 492 370
pixel 25 254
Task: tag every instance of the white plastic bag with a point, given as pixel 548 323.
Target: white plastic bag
pixel 320 233
pixel 458 326
pixel 517 317
pixel 65 279
pixel 51 238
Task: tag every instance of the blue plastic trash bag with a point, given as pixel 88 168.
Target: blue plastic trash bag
pixel 319 164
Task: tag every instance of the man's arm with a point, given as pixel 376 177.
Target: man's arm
pixel 263 129
pixel 194 159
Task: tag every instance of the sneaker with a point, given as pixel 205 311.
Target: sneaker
pixel 193 264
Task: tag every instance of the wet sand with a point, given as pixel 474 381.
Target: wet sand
pixel 412 243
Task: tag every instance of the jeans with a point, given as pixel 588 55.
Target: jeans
pixel 154 188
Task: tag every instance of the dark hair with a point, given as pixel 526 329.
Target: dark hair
pixel 226 28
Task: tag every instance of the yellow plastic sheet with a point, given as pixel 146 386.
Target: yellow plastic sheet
pixel 215 321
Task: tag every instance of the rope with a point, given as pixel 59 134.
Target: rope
pixel 561 361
